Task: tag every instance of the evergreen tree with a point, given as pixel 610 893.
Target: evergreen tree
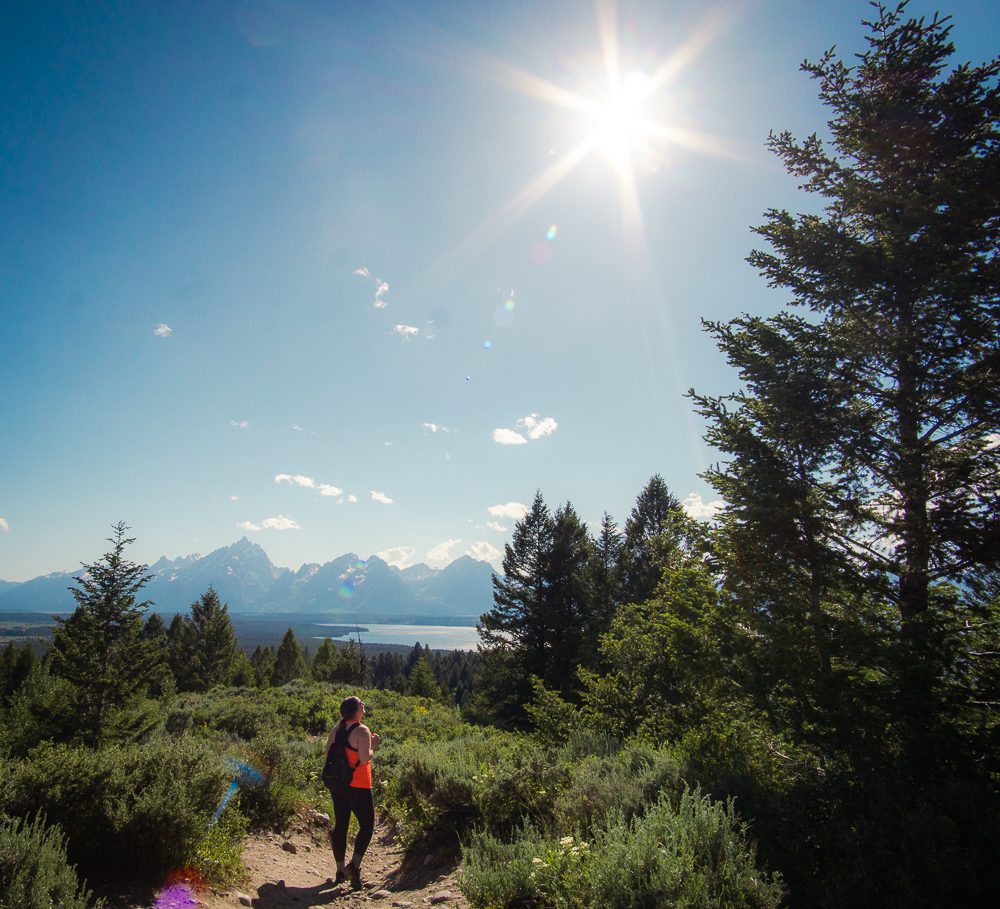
pixel 213 642
pixel 889 459
pixel 16 664
pixel 605 587
pixel 288 661
pixel 100 647
pixel 262 660
pixel 422 682
pixel 653 531
pixel 161 677
pixel 180 652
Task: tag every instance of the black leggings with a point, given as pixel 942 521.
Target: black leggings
pixel 360 802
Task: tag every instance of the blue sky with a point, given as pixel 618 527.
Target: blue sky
pixel 364 276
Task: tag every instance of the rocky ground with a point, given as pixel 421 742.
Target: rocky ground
pixel 295 869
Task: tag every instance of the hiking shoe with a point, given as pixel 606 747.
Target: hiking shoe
pixel 354 874
pixel 341 877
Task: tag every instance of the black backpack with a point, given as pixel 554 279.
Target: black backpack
pixel 337 771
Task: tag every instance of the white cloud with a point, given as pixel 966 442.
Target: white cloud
pixel 512 510
pixel 279 523
pixel 234 498
pixel 352 499
pixel 381 497
pixel 162 330
pixel 407 331
pixel 440 555
pixel 4 526
pixel 400 556
pixel 325 489
pixel 381 289
pixel 508 437
pixel 538 428
pixel 695 507
pixel 494 525
pixel 484 552
pixel 435 427
pixel 992 441
pixel 362 272
pixel 295 480
pixel 296 427
pixel 239 424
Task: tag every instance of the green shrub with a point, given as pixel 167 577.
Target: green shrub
pixel 627 781
pixel 44 708
pixel 694 856
pixel 442 790
pixel 218 855
pixel 34 871
pixel 123 807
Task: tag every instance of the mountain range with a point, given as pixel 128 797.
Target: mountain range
pixel 245 578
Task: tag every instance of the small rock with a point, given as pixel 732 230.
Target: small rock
pixel 308 848
pixel 403 904
pixel 244 899
pixel 381 895
pixel 321 818
pixel 441 897
pixel 281 885
pixel 289 846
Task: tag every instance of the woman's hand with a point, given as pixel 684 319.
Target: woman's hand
pixel 376 740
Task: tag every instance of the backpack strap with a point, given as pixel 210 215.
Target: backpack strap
pixel 350 729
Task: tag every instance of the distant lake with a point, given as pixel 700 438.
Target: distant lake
pixel 437 637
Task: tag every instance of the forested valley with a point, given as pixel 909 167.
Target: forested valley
pixel 792 704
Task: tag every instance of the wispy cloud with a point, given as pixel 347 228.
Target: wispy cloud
pixel 162 330
pixel 440 555
pixel 239 424
pixel 353 499
pixel 696 507
pixel 513 510
pixel 399 556
pixel 277 523
pixel 381 497
pixel 406 331
pixel 508 437
pixel 298 479
pixel 537 428
pixel 295 480
pixel 381 289
pixel 234 498
pixel 296 427
pixel 4 526
pixel 435 427
pixel 494 525
pixel 532 427
pixel 362 272
pixel 484 552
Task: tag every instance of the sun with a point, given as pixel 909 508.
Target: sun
pixel 620 126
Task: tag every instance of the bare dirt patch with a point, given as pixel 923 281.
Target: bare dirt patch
pixel 295 870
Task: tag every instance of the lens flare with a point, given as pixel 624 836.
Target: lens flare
pixel 550 234
pixel 346 590
pixel 509 304
pixel 487 345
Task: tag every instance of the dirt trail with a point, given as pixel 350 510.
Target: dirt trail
pixel 294 870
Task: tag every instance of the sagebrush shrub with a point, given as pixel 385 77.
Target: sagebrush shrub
pixel 694 855
pixel 34 870
pixel 123 807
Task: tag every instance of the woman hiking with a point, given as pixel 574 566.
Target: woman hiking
pixel 358 743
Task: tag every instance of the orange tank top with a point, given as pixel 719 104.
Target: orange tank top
pixel 362 778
